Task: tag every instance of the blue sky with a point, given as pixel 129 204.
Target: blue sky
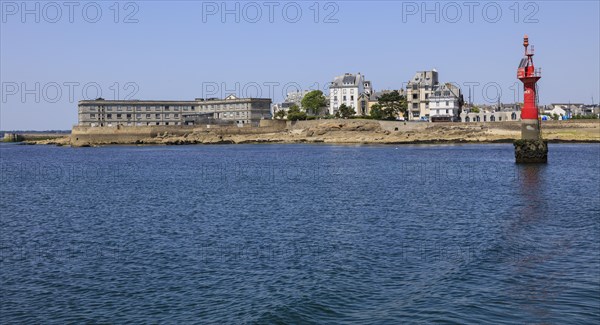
pixel 185 49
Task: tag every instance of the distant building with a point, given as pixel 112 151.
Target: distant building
pixel 296 97
pixel 418 90
pixel 573 109
pixel 591 110
pixel 233 110
pixel 347 89
pixel 366 102
pixel 489 114
pixel 428 99
pixel 569 109
pixel 557 110
pixel 291 99
pixel 445 103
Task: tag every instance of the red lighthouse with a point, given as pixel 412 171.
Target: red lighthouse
pixel 529 75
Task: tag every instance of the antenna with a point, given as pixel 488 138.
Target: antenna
pixel 470 102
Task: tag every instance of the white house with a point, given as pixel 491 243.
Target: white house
pixel 346 90
pixel 445 102
pixel 556 110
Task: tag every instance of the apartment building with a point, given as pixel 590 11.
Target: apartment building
pixel 418 90
pixel 107 113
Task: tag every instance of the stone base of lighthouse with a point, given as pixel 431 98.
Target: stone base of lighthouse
pixel 531 151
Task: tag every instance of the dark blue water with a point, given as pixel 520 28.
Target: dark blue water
pixel 299 234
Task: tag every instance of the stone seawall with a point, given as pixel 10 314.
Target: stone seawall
pixel 83 136
pixel 330 131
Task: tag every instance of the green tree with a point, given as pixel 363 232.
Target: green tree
pixel 294 113
pixel 474 110
pixel 393 104
pixel 345 111
pixel 314 101
pixel 377 112
pixel 280 114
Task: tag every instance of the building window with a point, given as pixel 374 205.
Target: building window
pixel 415 96
pixel 147 115
pixel 118 115
pixel 92 115
pixel 157 116
pixel 119 108
pixel 446 111
pixel 108 116
pixel 344 98
pixel 447 103
pixel 128 115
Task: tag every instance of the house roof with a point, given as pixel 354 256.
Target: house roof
pixel 348 80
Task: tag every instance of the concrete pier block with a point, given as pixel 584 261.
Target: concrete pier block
pixel 531 151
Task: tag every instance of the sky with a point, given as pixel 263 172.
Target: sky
pixel 53 54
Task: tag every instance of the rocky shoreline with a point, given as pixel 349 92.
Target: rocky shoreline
pixel 352 131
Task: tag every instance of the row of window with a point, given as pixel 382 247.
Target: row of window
pixel 415 86
pixel 437 104
pixel 231 114
pixel 138 123
pixel 344 98
pixel 437 111
pixel 167 115
pixel 140 108
pixel 513 117
pixel 224 106
pixel 351 91
pixel 137 116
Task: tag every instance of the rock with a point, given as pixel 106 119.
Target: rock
pixel 531 151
